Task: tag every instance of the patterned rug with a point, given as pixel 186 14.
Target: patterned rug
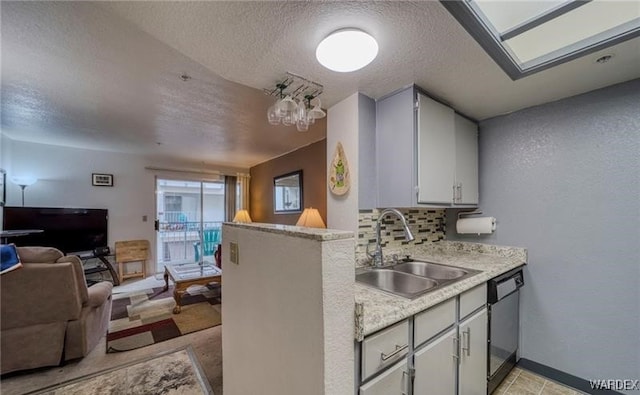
pixel 174 372
pixel 142 318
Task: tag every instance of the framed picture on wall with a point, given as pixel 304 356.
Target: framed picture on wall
pixel 3 187
pixel 287 193
pixel 102 180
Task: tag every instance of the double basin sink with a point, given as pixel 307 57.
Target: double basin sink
pixel 412 279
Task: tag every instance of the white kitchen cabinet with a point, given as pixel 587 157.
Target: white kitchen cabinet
pixel 396 150
pixel 433 321
pixel 384 348
pixel 393 381
pixel 462 349
pixel 472 300
pixel 447 353
pixel 426 154
pixel 436 145
pixel 466 161
pixel 473 355
pixel 435 366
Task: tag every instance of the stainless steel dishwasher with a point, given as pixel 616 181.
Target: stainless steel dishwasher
pixel 503 297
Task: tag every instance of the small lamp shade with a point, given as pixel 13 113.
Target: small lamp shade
pixel 24 181
pixel 311 218
pixel 242 216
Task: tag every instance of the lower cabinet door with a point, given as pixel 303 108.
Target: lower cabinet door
pixel 393 381
pixel 473 355
pixel 435 366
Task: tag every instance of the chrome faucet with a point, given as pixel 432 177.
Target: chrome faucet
pixel 377 258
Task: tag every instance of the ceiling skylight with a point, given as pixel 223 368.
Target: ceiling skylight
pixel 525 37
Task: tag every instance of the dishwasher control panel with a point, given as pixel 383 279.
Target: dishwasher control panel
pixel 504 285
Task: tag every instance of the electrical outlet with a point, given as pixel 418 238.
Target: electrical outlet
pixel 144 218
pixel 233 253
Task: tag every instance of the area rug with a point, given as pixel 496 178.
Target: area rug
pixel 142 318
pixel 175 372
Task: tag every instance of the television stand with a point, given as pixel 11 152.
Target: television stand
pixel 5 235
pixel 99 264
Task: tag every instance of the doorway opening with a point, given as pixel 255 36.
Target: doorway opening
pixel 189 216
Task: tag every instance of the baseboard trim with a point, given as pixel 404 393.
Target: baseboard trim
pixel 565 378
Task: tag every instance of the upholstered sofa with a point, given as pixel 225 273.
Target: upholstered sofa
pixel 48 313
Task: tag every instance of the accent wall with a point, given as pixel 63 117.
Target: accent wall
pixel 311 159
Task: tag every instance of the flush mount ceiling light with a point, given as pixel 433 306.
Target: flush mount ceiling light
pixel 347 50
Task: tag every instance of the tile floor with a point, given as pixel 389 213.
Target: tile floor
pixel 523 382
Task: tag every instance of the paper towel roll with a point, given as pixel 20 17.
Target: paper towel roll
pixel 477 225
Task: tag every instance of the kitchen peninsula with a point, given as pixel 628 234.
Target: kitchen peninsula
pixel 300 335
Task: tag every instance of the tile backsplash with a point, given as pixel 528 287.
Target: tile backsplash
pixel 427 225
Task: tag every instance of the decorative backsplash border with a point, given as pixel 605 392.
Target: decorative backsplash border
pixel 427 226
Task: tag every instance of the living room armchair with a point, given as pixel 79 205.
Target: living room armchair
pixel 48 313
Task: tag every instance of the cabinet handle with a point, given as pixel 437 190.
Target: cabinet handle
pixel 457 192
pixel 398 350
pixel 456 353
pixel 468 337
pixel 404 382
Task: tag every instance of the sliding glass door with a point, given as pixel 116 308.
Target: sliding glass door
pixel 188 220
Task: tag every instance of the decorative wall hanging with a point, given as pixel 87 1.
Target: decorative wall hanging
pixel 102 180
pixel 3 187
pixel 287 193
pixel 339 177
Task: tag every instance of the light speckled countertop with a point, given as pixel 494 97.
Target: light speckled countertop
pixel 295 231
pixel 375 310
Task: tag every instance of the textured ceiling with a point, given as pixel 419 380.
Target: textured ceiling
pixel 105 74
pixel 74 74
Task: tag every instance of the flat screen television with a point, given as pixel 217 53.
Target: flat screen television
pixel 67 229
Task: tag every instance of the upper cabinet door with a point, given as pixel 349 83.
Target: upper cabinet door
pixel 466 179
pixel 436 151
pixel 395 146
pixel 426 155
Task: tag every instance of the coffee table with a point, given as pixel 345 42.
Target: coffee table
pixel 185 275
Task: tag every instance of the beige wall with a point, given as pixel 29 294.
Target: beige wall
pixel 312 160
pixel 288 312
pixel 64 180
pixel 343 126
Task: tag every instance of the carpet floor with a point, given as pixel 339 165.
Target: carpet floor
pixel 171 373
pixel 206 344
pixel 145 317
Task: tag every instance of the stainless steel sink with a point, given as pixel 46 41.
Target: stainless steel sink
pixel 396 282
pixel 431 270
pixel 412 279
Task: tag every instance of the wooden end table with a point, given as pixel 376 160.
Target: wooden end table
pixel 185 275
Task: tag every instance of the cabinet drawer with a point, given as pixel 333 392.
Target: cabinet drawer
pixel 393 381
pixel 384 348
pixel 473 300
pixel 436 319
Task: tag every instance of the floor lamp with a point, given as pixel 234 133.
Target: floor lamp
pixel 23 182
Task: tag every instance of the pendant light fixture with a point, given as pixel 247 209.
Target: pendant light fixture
pixel 297 102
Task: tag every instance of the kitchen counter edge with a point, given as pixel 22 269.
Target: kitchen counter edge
pixel 376 310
